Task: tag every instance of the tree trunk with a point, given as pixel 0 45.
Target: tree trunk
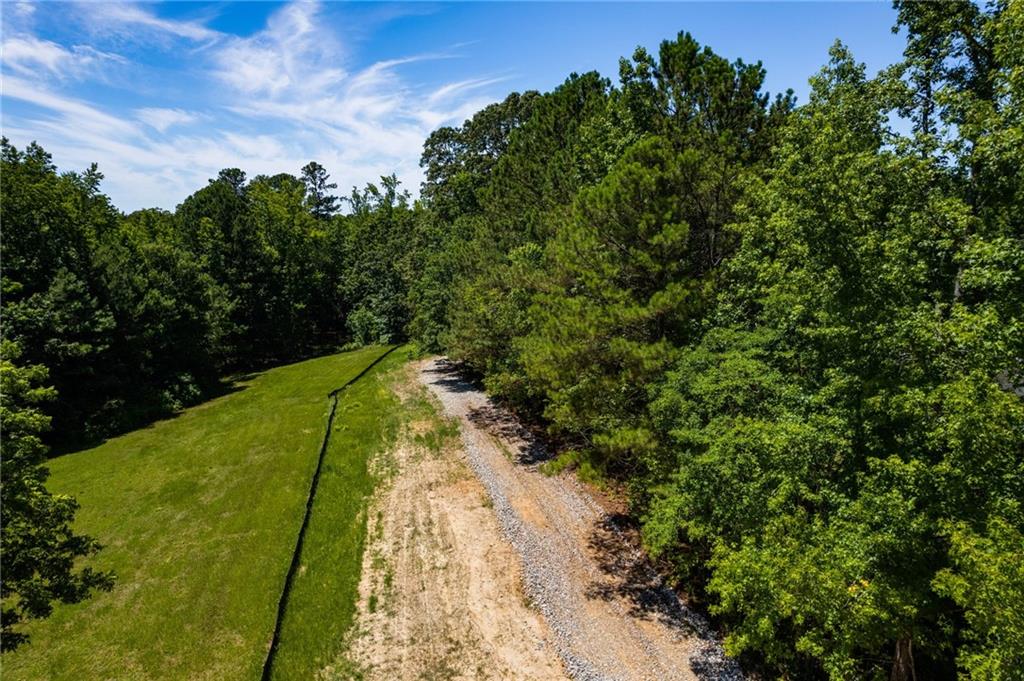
pixel 903 661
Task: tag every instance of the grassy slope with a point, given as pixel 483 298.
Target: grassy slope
pixel 198 515
pixel 322 602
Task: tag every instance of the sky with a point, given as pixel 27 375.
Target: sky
pixel 164 95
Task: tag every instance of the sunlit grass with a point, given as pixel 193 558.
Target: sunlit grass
pixel 322 603
pixel 199 516
pixel 322 607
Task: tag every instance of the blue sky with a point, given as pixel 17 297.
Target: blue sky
pixel 163 95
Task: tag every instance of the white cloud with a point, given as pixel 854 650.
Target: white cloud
pixel 80 115
pixel 161 119
pixel 292 54
pixel 129 19
pixel 266 103
pixel 289 73
pixel 22 54
pixel 451 89
pixel 255 147
pixel 29 55
pixel 431 119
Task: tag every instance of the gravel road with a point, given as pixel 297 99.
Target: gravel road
pixel 610 615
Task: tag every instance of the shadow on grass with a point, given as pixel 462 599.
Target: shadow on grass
pixel 144 410
pixel 149 415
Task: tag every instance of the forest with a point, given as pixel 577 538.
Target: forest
pixel 790 334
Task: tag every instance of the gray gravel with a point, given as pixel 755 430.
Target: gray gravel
pixel 610 615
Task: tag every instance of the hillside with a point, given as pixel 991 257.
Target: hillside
pixel 198 516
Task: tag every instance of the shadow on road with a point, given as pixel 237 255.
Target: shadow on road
pixel 496 420
pixel 449 375
pixel 502 424
pixel 628 576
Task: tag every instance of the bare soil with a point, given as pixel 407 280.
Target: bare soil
pixel 441 596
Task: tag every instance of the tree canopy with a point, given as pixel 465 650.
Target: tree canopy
pixel 791 336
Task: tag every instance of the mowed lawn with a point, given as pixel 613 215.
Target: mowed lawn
pixel 322 603
pixel 198 515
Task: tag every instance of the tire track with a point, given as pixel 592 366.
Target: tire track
pixel 282 604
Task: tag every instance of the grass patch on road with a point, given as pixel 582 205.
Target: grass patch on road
pixel 198 515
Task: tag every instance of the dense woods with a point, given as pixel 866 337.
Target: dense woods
pixel 792 335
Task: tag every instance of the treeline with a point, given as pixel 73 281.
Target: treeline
pixel 793 334
pixel 137 315
pixel 112 320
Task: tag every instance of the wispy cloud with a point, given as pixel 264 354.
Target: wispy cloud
pixel 82 115
pixel 122 17
pixel 292 55
pixel 288 73
pixel 161 119
pixel 25 54
pixel 451 89
pixel 24 9
pixel 29 55
pixel 267 102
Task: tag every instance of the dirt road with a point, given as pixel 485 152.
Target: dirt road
pixel 479 566
pixel 607 614
pixel 440 591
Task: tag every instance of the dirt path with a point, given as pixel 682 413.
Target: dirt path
pixel 609 616
pixel 440 592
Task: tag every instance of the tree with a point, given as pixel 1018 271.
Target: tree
pixel 530 188
pixel 319 201
pixel 374 247
pixel 489 323
pixel 234 178
pixel 986 578
pixel 838 417
pixel 171 319
pixel 690 95
pixel 53 302
pixel 38 547
pixel 619 295
pixel 458 163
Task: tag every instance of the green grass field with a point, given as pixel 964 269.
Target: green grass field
pixel 321 606
pixel 199 516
